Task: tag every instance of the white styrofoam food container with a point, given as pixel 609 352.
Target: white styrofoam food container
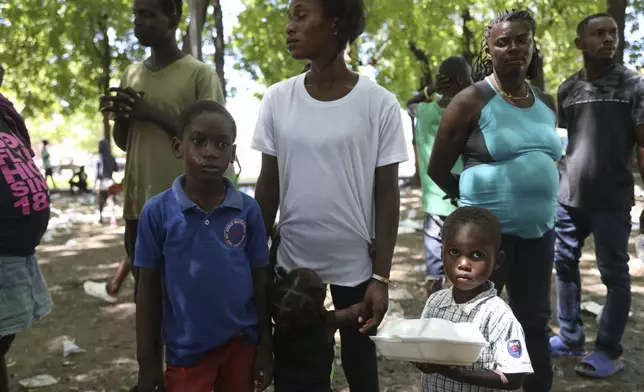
pixel 434 341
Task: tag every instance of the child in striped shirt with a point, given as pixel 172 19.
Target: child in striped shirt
pixel 471 252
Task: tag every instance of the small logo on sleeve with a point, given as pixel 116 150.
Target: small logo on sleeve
pixel 514 348
pixel 235 232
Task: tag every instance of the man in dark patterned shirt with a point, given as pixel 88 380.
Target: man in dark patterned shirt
pixel 602 107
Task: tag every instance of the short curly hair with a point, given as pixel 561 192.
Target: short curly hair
pixel 473 215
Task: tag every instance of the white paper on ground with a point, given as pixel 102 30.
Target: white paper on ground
pixel 44 380
pixel 69 348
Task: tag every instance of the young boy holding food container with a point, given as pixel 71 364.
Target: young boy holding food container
pixel 471 252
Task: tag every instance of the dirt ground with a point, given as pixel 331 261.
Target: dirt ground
pixel 82 250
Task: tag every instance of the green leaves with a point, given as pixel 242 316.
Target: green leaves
pixel 433 27
pixel 55 53
pixel 259 42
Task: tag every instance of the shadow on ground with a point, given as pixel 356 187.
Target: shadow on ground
pixel 91 251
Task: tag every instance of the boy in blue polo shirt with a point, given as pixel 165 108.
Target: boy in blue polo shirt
pixel 203 255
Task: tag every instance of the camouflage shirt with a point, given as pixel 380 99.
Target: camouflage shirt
pixel 601 116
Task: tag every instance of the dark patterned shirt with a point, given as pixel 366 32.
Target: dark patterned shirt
pixel 600 116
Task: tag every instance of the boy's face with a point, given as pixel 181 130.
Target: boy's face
pixel 469 257
pixel 206 147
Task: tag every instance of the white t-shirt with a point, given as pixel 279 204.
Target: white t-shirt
pixel 327 154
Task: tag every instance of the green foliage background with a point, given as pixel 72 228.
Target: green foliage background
pixel 54 55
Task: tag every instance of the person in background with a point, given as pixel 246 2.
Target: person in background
pixel 602 108
pixel 213 311
pixel 81 183
pixel 46 162
pixel 145 108
pixel 471 252
pixel 24 215
pixel 105 169
pixel 424 96
pixel 455 74
pixel 504 130
pixel 331 141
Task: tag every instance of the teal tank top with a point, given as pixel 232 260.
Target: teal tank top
pixel 510 164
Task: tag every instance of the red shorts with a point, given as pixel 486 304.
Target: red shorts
pixel 224 369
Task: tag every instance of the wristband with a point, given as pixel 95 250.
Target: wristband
pixel 381 279
pixel 425 92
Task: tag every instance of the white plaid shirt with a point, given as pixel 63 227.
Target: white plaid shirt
pixel 506 349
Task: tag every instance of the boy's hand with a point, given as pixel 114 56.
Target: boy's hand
pixel 151 379
pixel 429 368
pixel 263 367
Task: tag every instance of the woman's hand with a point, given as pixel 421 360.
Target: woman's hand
pixel 374 305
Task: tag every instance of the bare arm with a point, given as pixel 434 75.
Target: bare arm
pixel 418 98
pixel 457 123
pixel 164 121
pixel 260 288
pixel 639 138
pixel 120 131
pixel 148 321
pixel 488 378
pixel 343 318
pixel 387 203
pixel 267 191
pixel 133 105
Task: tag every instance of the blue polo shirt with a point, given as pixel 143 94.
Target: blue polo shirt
pixel 207 261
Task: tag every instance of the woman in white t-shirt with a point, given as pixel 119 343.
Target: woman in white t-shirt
pixel 331 142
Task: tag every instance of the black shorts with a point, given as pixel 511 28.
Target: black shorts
pixel 49 172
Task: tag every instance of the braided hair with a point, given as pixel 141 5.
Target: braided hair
pixel 482 64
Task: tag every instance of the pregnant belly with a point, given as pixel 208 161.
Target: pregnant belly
pixel 521 192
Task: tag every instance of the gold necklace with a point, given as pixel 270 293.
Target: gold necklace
pixel 508 95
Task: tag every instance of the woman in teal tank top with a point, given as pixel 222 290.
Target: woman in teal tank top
pixel 505 131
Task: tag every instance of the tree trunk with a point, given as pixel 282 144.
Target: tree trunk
pixel 220 44
pixel 421 56
pixel 106 65
pixel 468 37
pixel 192 39
pixel 617 9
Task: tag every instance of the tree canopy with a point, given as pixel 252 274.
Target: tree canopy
pixel 59 55
pixel 405 40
